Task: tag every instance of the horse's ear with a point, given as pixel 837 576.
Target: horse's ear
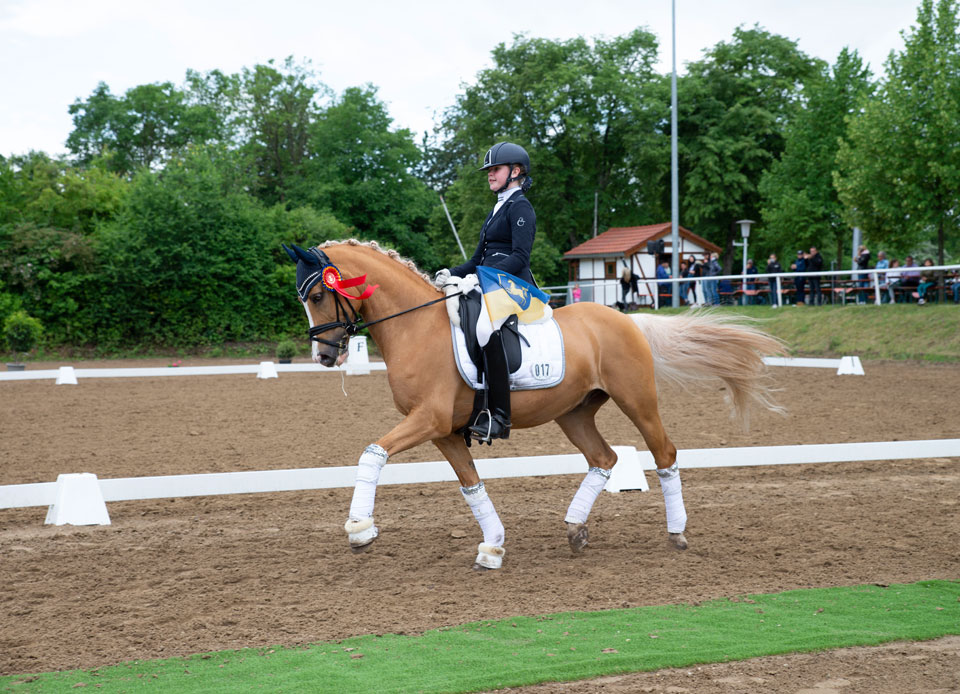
pixel 290 252
pixel 297 254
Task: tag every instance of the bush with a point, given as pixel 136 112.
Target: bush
pixel 286 349
pixel 22 331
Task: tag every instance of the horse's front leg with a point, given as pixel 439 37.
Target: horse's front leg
pixel 489 552
pixel 419 426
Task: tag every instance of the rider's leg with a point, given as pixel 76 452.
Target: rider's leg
pixel 494 422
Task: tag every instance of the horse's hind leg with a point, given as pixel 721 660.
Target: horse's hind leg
pixel 638 400
pixel 581 429
pixel 490 552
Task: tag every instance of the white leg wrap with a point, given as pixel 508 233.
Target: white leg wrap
pixel 673 498
pixel 368 474
pixel 583 500
pixel 486 515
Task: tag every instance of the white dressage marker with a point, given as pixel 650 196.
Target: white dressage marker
pixel 78 500
pixel 66 376
pixel 267 370
pixel 844 365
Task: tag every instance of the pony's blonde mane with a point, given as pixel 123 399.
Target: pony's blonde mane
pixel 389 252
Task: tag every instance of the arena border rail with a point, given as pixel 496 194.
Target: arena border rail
pixel 80 499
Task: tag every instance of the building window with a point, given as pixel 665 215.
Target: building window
pixel 574 270
pixel 609 269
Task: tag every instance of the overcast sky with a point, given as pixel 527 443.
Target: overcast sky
pixel 418 53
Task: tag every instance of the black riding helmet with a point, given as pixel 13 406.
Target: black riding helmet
pixel 509 154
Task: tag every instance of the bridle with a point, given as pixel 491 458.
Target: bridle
pixel 335 284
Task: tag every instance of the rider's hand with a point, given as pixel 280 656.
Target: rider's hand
pixel 441 278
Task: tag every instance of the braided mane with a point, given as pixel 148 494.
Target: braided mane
pixel 389 252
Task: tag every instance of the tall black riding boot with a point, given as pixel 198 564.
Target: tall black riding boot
pixel 494 421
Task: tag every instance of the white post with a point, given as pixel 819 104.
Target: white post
pixel 876 288
pixel 779 292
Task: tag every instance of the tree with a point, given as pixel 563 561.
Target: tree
pixel 735 103
pixel 591 115
pixel 800 206
pixel 277 107
pixel 899 167
pixel 362 171
pixel 34 188
pixel 143 128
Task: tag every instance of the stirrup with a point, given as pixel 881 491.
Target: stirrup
pixel 496 427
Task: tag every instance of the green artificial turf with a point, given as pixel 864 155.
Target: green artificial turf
pixel 559 647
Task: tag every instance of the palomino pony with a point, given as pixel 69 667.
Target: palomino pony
pixel 609 355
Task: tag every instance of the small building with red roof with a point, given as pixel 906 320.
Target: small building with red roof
pixel 597 265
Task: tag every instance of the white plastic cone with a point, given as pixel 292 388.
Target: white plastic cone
pixel 850 366
pixel 267 370
pixel 66 376
pixel 78 501
pixel 628 473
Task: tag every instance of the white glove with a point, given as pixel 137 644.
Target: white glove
pixel 441 278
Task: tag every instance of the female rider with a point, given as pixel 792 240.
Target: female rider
pixel 506 240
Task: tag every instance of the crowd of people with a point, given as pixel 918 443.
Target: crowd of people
pixel 904 282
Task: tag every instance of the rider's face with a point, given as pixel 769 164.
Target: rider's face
pixel 497 176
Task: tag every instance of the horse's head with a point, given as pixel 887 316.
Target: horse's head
pixel 320 287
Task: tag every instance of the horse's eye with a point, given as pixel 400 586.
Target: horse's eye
pixel 317 298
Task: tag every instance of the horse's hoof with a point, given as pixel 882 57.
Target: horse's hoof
pixel 678 540
pixel 488 557
pixel 578 536
pixel 361 534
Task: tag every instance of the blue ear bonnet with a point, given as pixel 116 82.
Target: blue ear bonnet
pixel 310 266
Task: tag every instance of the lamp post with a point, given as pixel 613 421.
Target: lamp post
pixel 745 233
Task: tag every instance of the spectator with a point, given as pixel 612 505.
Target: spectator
pixel 751 284
pixel 773 265
pixel 910 277
pixel 956 289
pixel 882 264
pixel 625 277
pixel 800 282
pixel 815 264
pixel 893 280
pixel 684 286
pixel 863 263
pixel 927 280
pixel 710 295
pixel 664 289
pixel 576 293
pixel 695 270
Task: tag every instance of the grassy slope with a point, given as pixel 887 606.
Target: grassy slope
pixel 929 333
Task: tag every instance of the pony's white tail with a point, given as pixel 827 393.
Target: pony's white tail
pixel 699 345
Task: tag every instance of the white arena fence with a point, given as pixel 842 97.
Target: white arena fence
pixel 80 499
pixel 358 362
pixel 872 275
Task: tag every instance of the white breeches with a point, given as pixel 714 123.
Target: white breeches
pixel 590 488
pixel 673 498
